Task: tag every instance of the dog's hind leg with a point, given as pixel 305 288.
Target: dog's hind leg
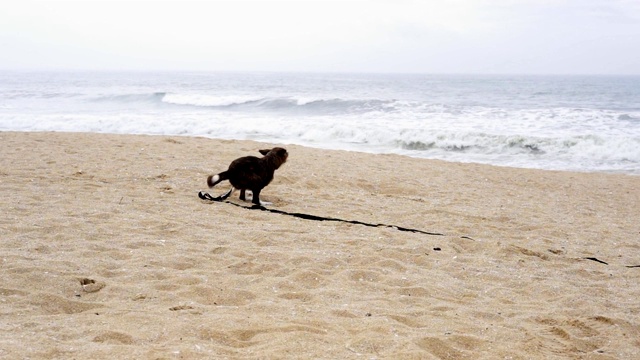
pixel 256 198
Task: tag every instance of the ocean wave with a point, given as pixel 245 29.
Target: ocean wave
pixel 425 112
pixel 295 105
pixel 478 143
pixel 558 151
pixel 570 152
pixel 198 100
pixel 155 97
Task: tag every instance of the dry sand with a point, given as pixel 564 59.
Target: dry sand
pixel 107 253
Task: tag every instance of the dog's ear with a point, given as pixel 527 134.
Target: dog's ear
pixel 264 151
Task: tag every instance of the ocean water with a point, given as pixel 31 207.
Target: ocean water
pixel 578 123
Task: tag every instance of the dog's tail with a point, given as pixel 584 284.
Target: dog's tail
pixel 212 180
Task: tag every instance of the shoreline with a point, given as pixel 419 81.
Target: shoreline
pixel 108 252
pixel 322 148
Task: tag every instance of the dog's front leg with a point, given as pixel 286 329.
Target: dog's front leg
pixel 255 196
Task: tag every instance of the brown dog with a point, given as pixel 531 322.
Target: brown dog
pixel 251 173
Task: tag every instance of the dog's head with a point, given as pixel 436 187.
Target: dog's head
pixel 277 155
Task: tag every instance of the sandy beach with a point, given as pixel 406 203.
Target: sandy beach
pixel 108 253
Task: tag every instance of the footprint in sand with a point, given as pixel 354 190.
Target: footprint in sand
pixel 114 337
pixel 90 285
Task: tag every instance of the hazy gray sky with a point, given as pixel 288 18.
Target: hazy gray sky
pixel 425 36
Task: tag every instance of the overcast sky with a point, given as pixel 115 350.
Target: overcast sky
pixel 421 36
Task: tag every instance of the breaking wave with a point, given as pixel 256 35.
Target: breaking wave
pixel 307 106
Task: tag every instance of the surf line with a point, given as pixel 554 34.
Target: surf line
pixel 206 196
